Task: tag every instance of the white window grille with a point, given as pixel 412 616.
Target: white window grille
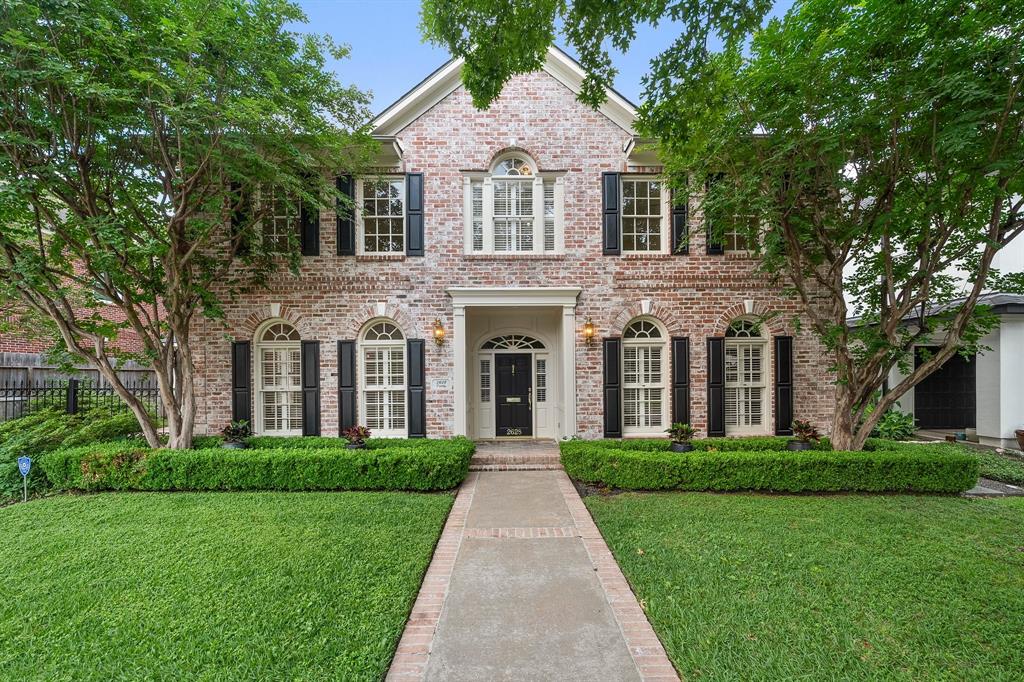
pixel 745 381
pixel 382 212
pixel 542 380
pixel 279 387
pixel 643 378
pixel 384 380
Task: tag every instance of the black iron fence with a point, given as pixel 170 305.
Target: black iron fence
pixel 71 395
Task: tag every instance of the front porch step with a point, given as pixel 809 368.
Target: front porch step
pixel 515 456
pixel 515 467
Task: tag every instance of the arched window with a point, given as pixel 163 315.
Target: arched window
pixel 513 342
pixel 384 379
pixel 643 378
pixel 279 380
pixel 745 384
pixel 513 209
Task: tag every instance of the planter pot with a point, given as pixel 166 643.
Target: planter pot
pixel 972 435
pixel 681 447
pixel 355 446
pixel 798 445
pixel 1020 438
pixel 231 445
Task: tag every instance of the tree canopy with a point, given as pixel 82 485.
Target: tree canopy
pixel 131 133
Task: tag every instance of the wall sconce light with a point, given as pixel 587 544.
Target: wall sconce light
pixel 438 332
pixel 589 331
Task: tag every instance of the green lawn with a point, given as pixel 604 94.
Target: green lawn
pixel 211 586
pixel 762 587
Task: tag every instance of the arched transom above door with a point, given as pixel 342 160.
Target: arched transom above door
pixel 513 342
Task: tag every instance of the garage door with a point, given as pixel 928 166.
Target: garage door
pixel 945 400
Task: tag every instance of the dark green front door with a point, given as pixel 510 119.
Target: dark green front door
pixel 513 383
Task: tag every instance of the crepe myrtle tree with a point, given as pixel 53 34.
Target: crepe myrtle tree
pixel 130 134
pixel 870 153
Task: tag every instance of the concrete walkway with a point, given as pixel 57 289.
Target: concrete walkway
pixel 523 587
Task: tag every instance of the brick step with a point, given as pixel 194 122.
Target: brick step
pixel 515 458
pixel 515 467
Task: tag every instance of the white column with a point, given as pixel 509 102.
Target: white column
pixel 569 370
pixel 459 361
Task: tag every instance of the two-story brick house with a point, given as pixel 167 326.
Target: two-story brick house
pixel 514 272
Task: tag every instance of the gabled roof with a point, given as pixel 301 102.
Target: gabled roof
pixel 446 79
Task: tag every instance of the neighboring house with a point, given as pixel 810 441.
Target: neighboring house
pixel 985 392
pixel 536 241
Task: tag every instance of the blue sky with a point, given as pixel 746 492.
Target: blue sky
pixel 389 55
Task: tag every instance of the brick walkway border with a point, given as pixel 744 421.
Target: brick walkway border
pixel 410 661
pixel 644 646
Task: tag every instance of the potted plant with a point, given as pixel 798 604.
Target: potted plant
pixel 356 437
pixel 804 435
pixel 681 434
pixel 236 434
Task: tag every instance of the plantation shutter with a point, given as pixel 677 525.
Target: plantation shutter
pixel 414 243
pixel 783 385
pixel 346 385
pixel 241 213
pixel 611 231
pixel 612 388
pixel 417 388
pixel 309 229
pixel 680 229
pixel 241 381
pixel 345 216
pixel 714 244
pixel 680 380
pixel 716 386
pixel 310 382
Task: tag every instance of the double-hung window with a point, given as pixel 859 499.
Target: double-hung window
pixel 382 215
pixel 513 210
pixel 279 219
pixel 644 215
pixel 643 378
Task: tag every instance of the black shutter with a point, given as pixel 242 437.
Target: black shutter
pixel 309 229
pixel 346 385
pixel 241 213
pixel 680 229
pixel 417 389
pixel 241 381
pixel 610 214
pixel 414 214
pixel 310 381
pixel 345 220
pixel 716 386
pixel 612 388
pixel 714 246
pixel 783 385
pixel 680 380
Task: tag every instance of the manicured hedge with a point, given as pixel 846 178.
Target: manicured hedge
pixel 760 443
pixel 424 465
pixel 899 467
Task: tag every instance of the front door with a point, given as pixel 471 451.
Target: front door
pixel 514 394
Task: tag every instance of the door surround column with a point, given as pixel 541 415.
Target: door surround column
pixel 459 364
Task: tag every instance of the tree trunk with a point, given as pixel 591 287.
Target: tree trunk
pixel 843 428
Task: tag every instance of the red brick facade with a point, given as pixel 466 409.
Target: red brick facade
pixel 693 295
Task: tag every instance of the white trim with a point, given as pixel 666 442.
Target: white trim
pixel 665 370
pixel 358 211
pixel 259 345
pixel 362 387
pixel 513 297
pixel 665 206
pixel 448 78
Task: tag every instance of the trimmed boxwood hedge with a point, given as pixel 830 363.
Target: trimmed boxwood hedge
pixel 734 464
pixel 396 465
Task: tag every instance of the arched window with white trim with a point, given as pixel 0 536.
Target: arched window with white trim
pixel 514 208
pixel 383 368
pixel 644 376
pixel 746 351
pixel 279 380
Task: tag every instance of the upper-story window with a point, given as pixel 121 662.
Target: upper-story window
pixel 381 203
pixel 514 209
pixel 645 209
pixel 280 222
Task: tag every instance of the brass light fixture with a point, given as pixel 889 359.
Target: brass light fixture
pixel 589 331
pixel 438 332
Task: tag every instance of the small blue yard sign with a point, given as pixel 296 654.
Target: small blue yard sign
pixel 24 465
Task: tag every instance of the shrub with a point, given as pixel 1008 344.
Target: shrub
pixel 129 465
pixel 770 443
pixel 901 468
pixel 895 425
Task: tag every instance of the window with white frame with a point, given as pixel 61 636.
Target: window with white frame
pixel 384 382
pixel 279 223
pixel 643 378
pixel 745 383
pixel 382 215
pixel 737 233
pixel 279 381
pixel 644 207
pixel 514 210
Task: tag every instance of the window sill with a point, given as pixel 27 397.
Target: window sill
pixel 647 255
pixel 379 257
pixel 513 255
